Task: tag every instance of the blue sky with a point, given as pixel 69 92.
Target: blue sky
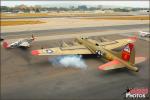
pixel 76 3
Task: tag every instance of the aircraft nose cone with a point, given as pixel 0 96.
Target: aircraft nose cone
pixel 35 52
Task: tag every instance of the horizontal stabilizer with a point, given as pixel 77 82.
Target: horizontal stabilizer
pixel 139 60
pixel 111 65
pixel 116 64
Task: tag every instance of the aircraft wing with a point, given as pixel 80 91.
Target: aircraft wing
pixel 116 44
pixel 111 65
pixel 71 50
pixel 24 44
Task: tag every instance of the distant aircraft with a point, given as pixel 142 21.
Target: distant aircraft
pixel 124 58
pixel 24 43
pixel 1 39
pixel 144 34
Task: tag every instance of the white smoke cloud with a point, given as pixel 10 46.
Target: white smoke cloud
pixel 74 61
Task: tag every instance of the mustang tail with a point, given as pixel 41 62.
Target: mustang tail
pixel 33 38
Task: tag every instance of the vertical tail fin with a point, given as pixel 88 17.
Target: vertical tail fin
pixel 128 53
pixel 5 44
pixel 33 37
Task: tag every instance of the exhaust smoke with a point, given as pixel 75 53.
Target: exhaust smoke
pixel 74 61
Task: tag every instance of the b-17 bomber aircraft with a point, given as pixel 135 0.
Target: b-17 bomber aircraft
pixel 23 43
pixel 124 58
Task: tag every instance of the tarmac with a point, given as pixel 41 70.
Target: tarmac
pixel 27 77
pixel 68 23
pixel 78 30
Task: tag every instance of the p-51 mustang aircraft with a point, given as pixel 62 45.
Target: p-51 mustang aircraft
pixel 124 58
pixel 144 34
pixel 24 43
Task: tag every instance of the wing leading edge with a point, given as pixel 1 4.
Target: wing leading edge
pixel 62 51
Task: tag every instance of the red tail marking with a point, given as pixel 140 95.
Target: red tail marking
pixel 35 52
pixel 5 44
pixel 127 51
